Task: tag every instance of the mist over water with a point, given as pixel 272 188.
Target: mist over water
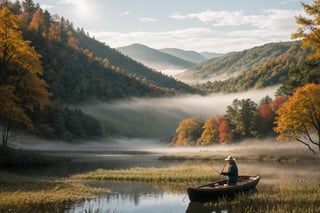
pixel 159 117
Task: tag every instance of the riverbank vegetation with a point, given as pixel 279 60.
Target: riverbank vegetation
pixel 301 196
pixel 298 196
pixel 25 194
pixel 177 174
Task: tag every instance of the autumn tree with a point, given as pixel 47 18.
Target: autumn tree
pixel 299 117
pixel 189 130
pixel 210 132
pixel 309 28
pixel 40 22
pixel 225 134
pixel 22 91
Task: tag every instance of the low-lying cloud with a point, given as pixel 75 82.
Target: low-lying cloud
pixel 159 117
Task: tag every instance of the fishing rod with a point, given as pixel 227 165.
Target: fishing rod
pixel 217 170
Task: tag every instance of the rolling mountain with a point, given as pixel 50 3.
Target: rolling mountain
pixel 289 69
pixel 79 69
pixel 237 63
pixel 210 55
pixel 154 58
pixel 191 56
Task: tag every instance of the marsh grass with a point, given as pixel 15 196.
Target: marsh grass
pixel 24 194
pixel 296 196
pixel 177 174
pixel 278 198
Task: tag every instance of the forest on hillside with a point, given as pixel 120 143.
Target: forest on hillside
pixel 48 64
pixel 285 61
pixel 71 67
pixel 292 116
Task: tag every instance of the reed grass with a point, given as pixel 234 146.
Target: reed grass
pixel 278 198
pixel 177 174
pixel 22 194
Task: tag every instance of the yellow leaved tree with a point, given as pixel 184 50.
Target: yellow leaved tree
pixel 210 132
pixel 299 117
pixel 189 130
pixel 22 90
pixel 309 28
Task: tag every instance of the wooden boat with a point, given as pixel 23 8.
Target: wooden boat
pixel 220 189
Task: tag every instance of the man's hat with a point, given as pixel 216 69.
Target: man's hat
pixel 229 158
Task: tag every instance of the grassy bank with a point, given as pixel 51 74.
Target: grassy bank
pixel 24 194
pixel 278 198
pixel 178 174
pixel 298 196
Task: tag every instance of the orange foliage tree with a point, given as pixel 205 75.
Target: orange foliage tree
pixel 22 91
pixel 299 117
pixel 225 134
pixel 309 30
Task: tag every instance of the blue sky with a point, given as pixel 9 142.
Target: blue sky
pixel 202 25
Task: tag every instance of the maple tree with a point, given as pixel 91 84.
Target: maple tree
pixel 225 134
pixel 309 30
pixel 22 90
pixel 299 117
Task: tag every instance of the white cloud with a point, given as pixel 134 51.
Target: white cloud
pixel 217 17
pixel 227 31
pixel 269 19
pixel 147 19
pixel 200 39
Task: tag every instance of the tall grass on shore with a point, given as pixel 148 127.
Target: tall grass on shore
pixel 278 198
pixel 299 196
pixel 177 174
pixel 25 194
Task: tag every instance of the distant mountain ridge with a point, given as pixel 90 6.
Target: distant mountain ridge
pixel 187 55
pixel 154 58
pixel 167 58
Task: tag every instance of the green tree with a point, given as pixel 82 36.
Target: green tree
pixel 242 118
pixel 299 117
pixel 22 91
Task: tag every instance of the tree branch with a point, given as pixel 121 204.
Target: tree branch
pixel 308 145
pixel 309 136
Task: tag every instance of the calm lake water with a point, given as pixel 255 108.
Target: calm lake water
pixel 146 198
pixel 136 197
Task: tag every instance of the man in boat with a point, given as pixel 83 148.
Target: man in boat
pixel 232 174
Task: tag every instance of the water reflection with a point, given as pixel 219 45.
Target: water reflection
pixel 133 197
